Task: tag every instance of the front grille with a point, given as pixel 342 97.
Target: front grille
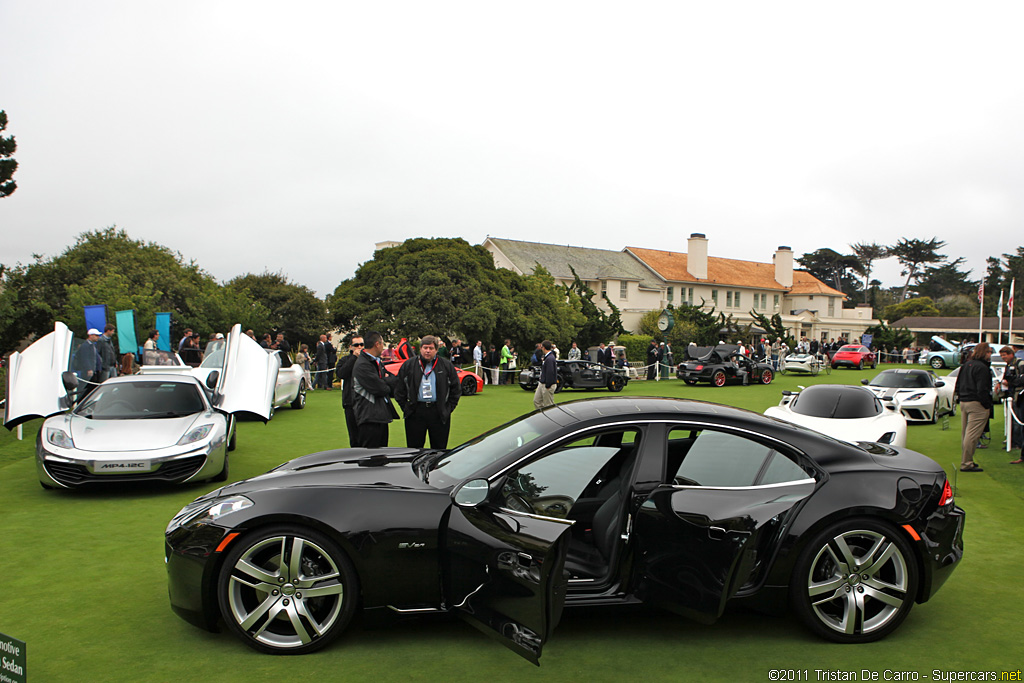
pixel 174 471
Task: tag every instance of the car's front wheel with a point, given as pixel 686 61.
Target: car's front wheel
pixel 767 377
pixel 855 581
pixel 300 399
pixel 616 383
pixel 468 385
pixel 287 590
pixel 937 362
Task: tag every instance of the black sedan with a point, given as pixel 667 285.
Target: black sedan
pixel 721 365
pixel 611 501
pixel 578 374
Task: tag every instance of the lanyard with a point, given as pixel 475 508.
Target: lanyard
pixel 426 372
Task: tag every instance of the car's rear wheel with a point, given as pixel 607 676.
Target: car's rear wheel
pixel 300 399
pixel 718 379
pixel 559 385
pixel 615 383
pixel 860 365
pixel 287 590
pixel 855 581
pixel 767 376
pixel 691 382
pixel 468 385
pixel 937 362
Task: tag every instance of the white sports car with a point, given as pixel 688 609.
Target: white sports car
pixel 917 393
pixel 290 388
pixel 805 362
pixel 845 412
pixel 151 426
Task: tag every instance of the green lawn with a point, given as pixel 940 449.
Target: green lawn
pixel 84 581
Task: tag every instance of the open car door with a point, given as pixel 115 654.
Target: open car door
pixel 34 384
pixel 707 532
pixel 504 571
pixel 247 380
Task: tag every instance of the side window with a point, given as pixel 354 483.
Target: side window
pixel 585 467
pixel 712 458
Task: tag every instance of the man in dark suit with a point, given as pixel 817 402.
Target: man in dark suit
pixel 427 391
pixel 348 394
pixel 652 360
pixel 322 381
pixel 373 388
pixel 545 394
pixel 604 355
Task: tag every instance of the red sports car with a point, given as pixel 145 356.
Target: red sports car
pixel 468 381
pixel 854 356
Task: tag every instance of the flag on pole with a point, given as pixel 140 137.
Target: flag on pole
pixel 981 291
pixel 999 308
pixel 1009 303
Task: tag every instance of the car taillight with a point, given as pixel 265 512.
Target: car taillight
pixel 947 495
pixel 699 368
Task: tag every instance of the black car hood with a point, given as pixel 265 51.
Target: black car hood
pixel 356 467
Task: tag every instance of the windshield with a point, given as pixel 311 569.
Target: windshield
pixel 852 349
pixel 470 457
pixel 142 400
pixel 214 355
pixel 900 380
pixel 842 403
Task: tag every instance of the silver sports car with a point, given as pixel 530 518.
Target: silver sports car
pixel 164 427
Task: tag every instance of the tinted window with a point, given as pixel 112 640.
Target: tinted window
pixel 711 458
pixel 902 380
pixel 836 402
pixel 142 400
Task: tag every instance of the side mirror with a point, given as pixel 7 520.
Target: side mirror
pixel 471 493
pixel 211 379
pixel 70 381
pixel 865 382
pixel 940 383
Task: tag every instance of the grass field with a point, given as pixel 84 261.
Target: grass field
pixel 83 581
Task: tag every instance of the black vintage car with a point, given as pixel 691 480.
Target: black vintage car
pixel 609 501
pixel 577 374
pixel 721 365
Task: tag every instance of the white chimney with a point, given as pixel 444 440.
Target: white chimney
pixel 697 256
pixel 784 266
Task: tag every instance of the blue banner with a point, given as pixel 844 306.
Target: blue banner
pixel 866 339
pixel 127 341
pixel 163 326
pixel 96 316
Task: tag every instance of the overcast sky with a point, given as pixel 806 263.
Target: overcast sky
pixel 291 137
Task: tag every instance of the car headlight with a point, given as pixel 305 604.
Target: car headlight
pixel 207 511
pixel 59 438
pixel 915 397
pixel 197 434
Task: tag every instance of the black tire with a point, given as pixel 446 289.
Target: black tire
pixel 223 474
pixel 935 413
pixel 300 400
pixel 860 365
pixel 878 591
pixel 937 362
pixel 691 382
pixel 242 594
pixel 528 387
pixel 718 379
pixel 615 383
pixel 468 385
pixel 559 385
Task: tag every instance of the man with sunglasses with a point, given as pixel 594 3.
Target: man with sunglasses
pixel 348 396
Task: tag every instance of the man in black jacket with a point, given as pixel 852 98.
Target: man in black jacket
pixel 373 389
pixel 545 394
pixel 427 391
pixel 348 394
pixel 974 388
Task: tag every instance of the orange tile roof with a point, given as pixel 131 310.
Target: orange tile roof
pixel 672 266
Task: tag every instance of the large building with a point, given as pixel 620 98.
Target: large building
pixel 638 280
